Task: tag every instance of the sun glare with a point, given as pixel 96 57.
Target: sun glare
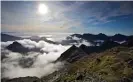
pixel 42 9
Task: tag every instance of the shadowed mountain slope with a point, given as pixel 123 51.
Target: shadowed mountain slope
pixel 17 47
pixel 100 36
pixel 104 46
pixel 72 54
pixel 6 37
pixel 119 37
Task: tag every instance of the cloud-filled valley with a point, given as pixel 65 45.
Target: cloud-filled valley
pixel 32 63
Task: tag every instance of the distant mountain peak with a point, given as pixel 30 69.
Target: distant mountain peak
pixel 101 34
pixel 17 47
pixel 6 37
pixel 119 35
pixel 16 43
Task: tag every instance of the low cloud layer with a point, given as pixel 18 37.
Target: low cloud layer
pixel 80 41
pixel 33 63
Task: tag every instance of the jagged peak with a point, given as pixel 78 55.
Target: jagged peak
pixel 72 54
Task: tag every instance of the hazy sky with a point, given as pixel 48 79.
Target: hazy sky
pixel 73 17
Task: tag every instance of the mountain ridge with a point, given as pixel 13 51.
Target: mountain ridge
pixel 7 37
pixel 101 36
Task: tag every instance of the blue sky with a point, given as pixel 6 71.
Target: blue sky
pixel 68 17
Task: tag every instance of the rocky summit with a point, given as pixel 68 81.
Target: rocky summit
pixel 72 54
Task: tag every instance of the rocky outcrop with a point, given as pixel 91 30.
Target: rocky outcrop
pixel 72 54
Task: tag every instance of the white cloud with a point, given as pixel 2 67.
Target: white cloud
pixel 4 44
pixel 76 38
pixel 42 62
pixel 86 43
pixel 80 41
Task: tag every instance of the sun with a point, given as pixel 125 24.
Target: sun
pixel 42 9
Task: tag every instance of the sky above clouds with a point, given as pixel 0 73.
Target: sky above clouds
pixel 68 17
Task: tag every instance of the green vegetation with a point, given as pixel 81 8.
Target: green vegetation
pixel 112 66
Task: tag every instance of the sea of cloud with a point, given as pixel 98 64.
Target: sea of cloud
pixel 38 64
pixel 34 63
pixel 81 41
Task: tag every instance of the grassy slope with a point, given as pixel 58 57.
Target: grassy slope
pixel 112 65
